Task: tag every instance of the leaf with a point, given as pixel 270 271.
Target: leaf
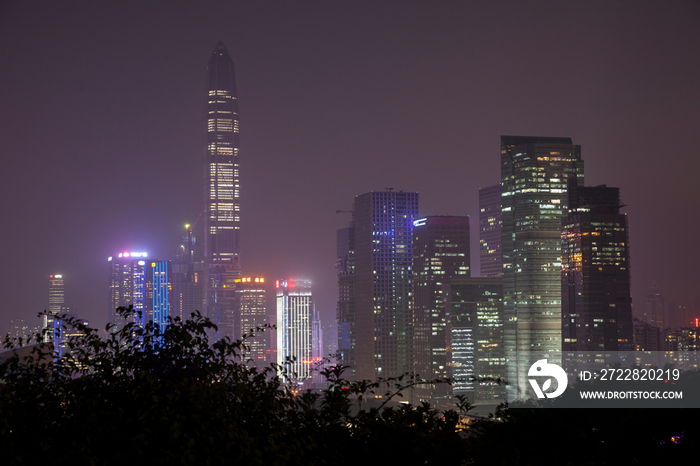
pixel 546 385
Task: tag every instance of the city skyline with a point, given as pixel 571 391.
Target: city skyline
pixel 112 125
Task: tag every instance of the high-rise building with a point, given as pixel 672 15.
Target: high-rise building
pixel 345 312
pixel 251 309
pixel 127 286
pixel 440 254
pixel 57 304
pixel 477 363
pixel 295 308
pixel 383 283
pixel 534 176
pixel 187 277
pixel 595 276
pixel 222 221
pixel 647 337
pixel 490 260
pixel 317 349
pixel 655 307
pixel 158 292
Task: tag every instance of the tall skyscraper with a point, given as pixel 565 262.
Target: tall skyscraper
pixel 127 286
pixel 490 260
pixel 295 309
pixel 251 307
pixel 534 176
pixel 383 281
pixel 595 285
pixel 346 310
pixel 655 307
pixel 187 277
pixel 440 254
pixel 57 304
pixel 222 221
pixel 158 292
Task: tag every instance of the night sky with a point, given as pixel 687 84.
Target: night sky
pixel 102 103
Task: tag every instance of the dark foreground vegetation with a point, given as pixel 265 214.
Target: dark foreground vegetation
pixel 140 396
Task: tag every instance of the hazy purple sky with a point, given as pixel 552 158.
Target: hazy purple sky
pixel 101 107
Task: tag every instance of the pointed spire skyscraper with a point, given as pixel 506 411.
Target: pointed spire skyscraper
pixel 221 190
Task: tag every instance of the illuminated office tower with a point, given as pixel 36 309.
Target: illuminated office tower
pixel 222 220
pixel 251 309
pixel 475 308
pixel 440 254
pixel 595 276
pixel 345 311
pixel 127 286
pixel 295 308
pixel 158 292
pixel 534 176
pixel 383 274
pixel 490 261
pixel 57 304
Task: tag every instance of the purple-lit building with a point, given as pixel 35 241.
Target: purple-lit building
pixel 127 285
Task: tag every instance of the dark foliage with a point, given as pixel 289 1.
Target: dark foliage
pixel 142 396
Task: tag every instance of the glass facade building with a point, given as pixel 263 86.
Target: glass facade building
pixel 157 302
pixel 383 283
pixel 251 308
pixel 127 286
pixel 490 259
pixel 222 220
pixel 440 254
pixel 57 304
pixel 475 309
pixel 295 309
pixel 595 276
pixel 345 311
pixel 534 176
pixel 187 277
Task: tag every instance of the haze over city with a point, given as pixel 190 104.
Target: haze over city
pixel 103 105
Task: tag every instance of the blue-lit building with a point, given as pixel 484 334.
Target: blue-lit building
pixel 146 284
pixel 127 286
pixel 66 326
pixel 382 324
pixel 157 302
